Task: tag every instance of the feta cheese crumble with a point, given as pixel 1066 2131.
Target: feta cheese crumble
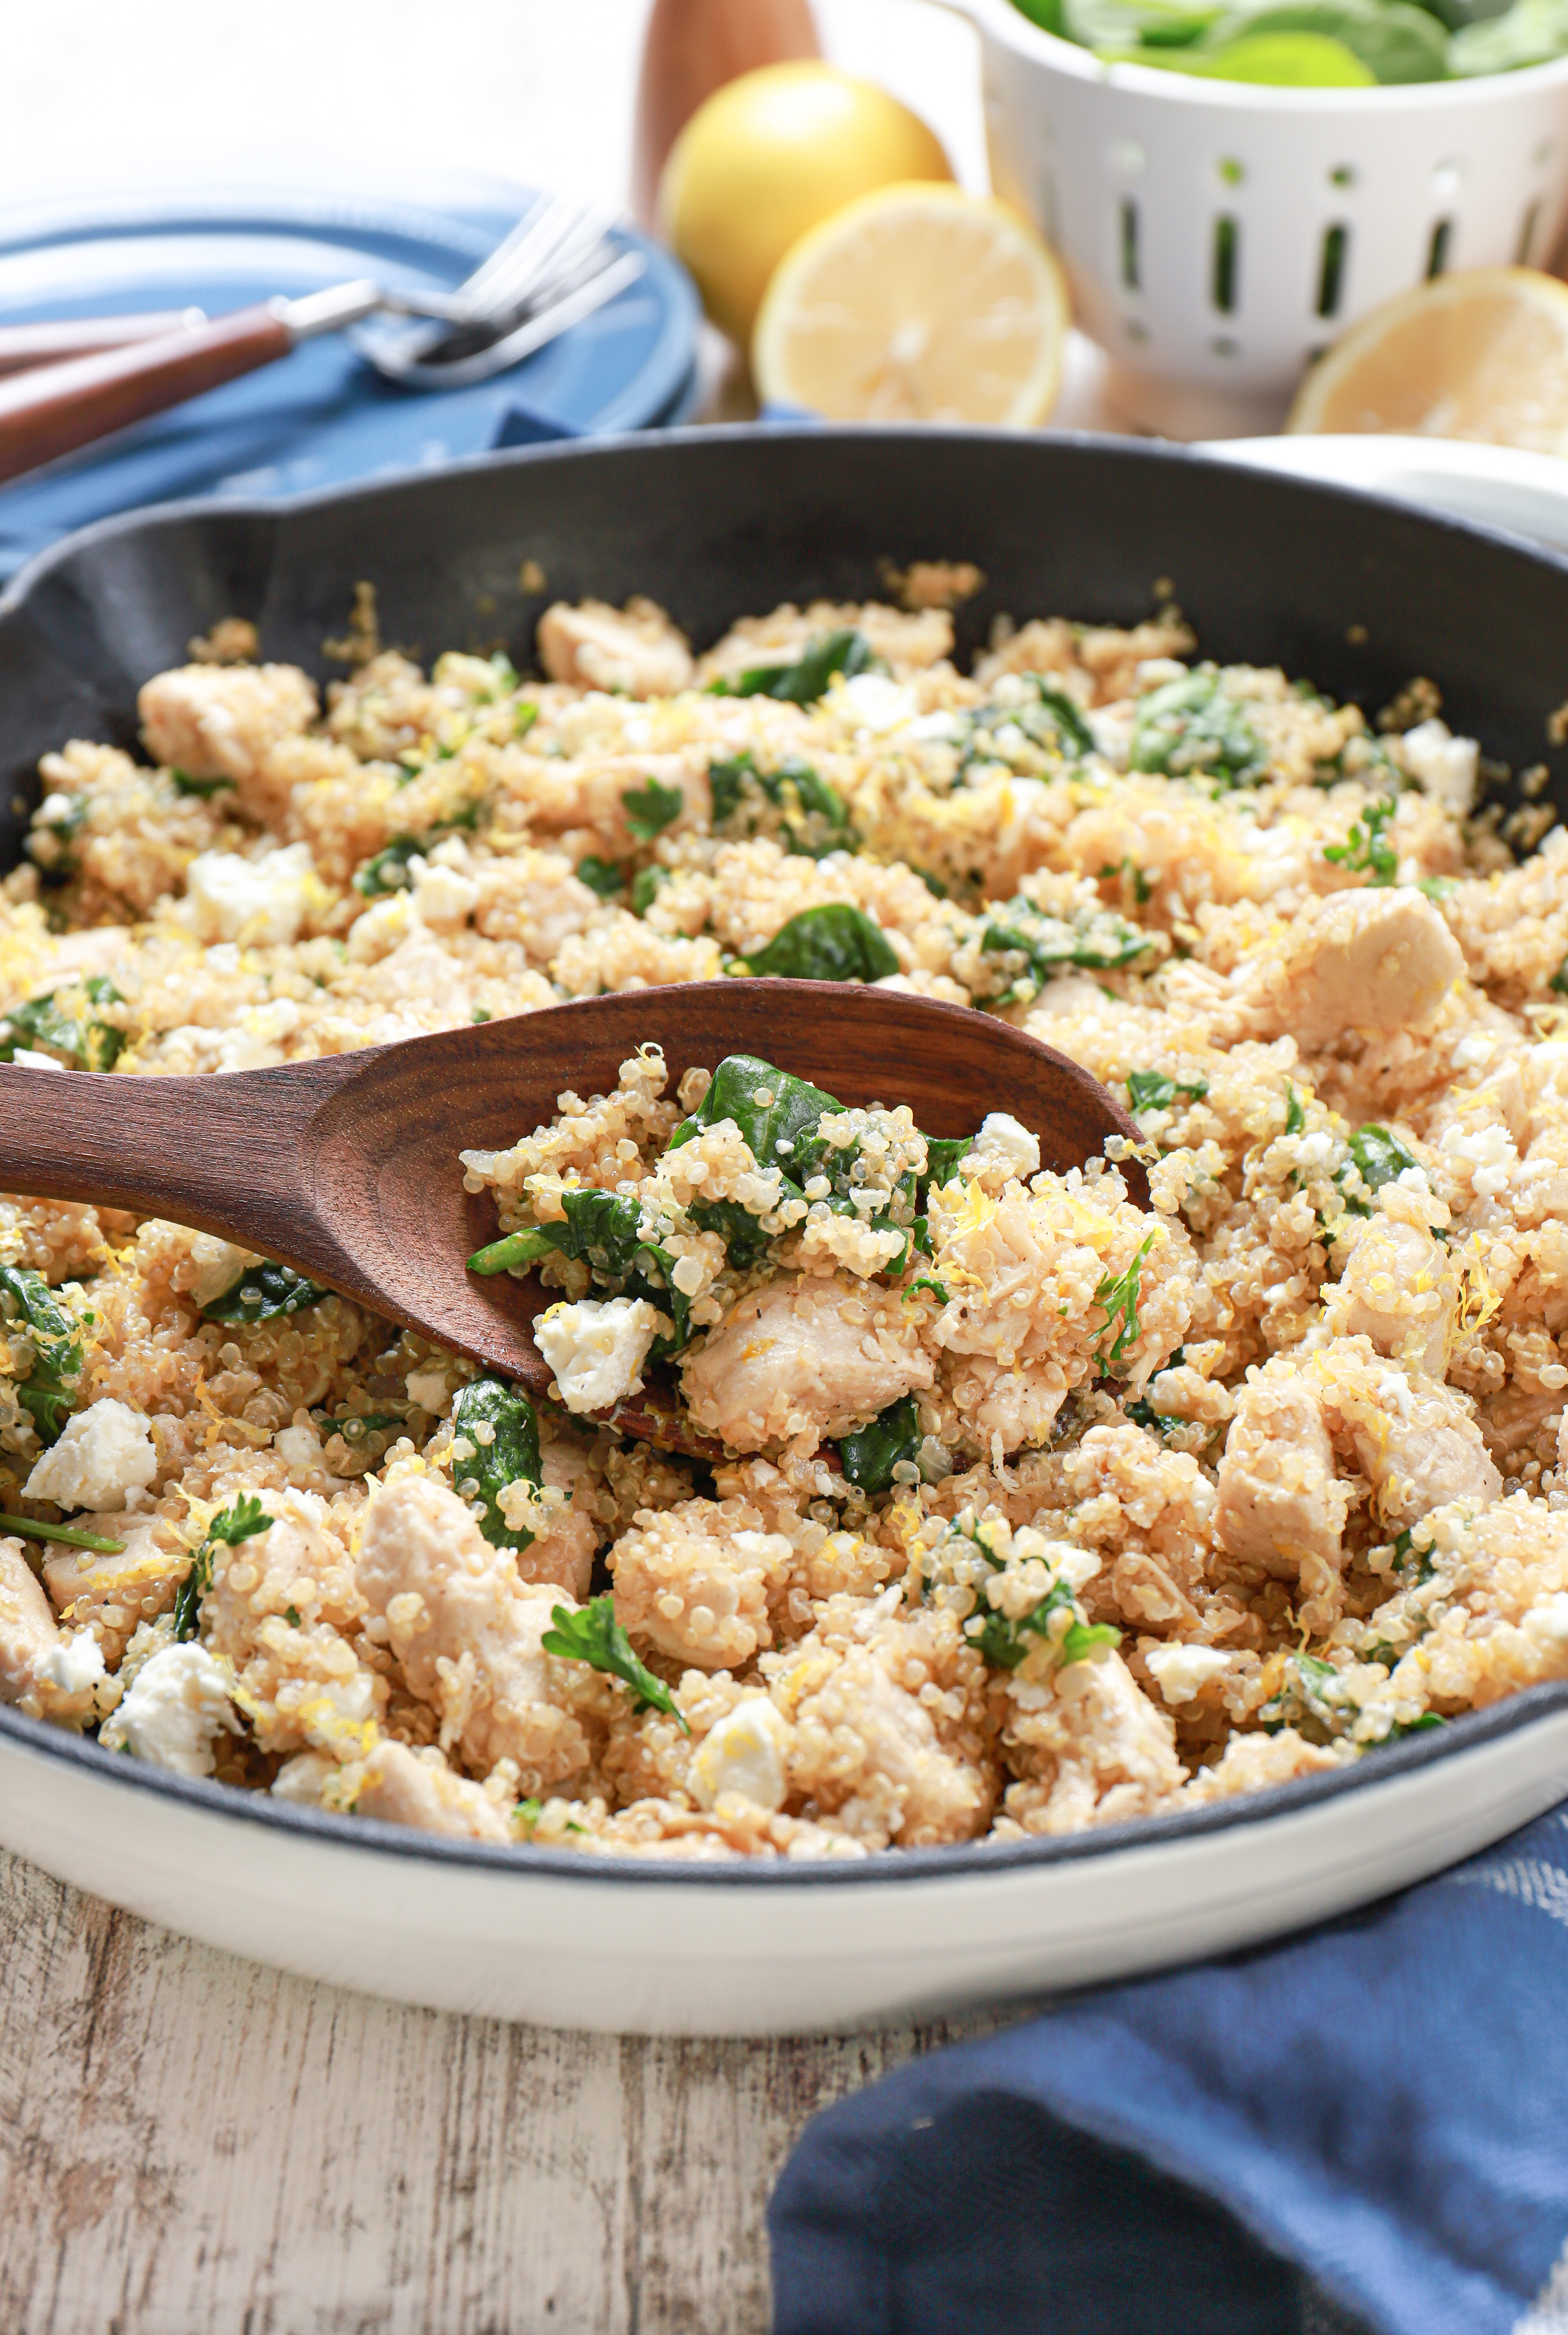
pixel 596 1348
pixel 259 902
pixel 175 1712
pixel 1005 1143
pixel 105 1455
pixel 1180 1671
pixel 745 1753
pixel 75 1665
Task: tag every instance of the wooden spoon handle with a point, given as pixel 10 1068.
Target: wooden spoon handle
pixel 229 1155
pixel 55 409
pixel 23 346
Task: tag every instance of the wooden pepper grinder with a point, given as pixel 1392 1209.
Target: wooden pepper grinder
pixel 693 47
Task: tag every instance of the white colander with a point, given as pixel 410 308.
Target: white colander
pixel 1218 235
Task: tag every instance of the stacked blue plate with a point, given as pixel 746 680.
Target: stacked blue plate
pixel 321 417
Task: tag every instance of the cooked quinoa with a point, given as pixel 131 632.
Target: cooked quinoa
pixel 1038 1510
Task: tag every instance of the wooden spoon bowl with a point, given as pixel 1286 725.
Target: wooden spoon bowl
pixel 346 1168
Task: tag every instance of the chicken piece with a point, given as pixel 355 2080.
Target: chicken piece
pixel 907 643
pixel 42 1671
pixel 220 721
pixel 466 1633
pixel 866 1749
pixel 112 1596
pixel 695 1581
pixel 1281 1505
pixel 814 1357
pixel 1364 960
pixel 1043 1282
pixel 1415 1440
pixel 561 1556
pixel 1399 1287
pixel 635 650
pixel 417 1788
pixel 1249 1763
pixel 1097 1751
pixel 280 1610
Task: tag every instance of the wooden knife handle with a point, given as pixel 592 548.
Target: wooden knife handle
pixel 22 346
pixel 55 409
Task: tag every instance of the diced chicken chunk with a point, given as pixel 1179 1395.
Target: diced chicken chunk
pixel 815 1356
pixel 36 1671
pixel 635 650
pixel 114 1594
pixel 1415 1440
pixel 1399 1288
pixel 1363 960
pixel 417 1788
pixel 466 1633
pixel 220 721
pixel 695 1580
pixel 281 1610
pixel 1281 1505
pixel 1099 1750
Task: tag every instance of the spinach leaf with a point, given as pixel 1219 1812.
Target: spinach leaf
pixel 264 1293
pixel 1033 948
pixel 1118 1295
pixel 813 821
pixel 593 1636
pixel 50 1388
pixel 1191 725
pixel 43 1022
pixel 943 1153
pixel 355 1426
pixel 603 1230
pixel 869 1456
pixel 605 876
pixel 646 888
pixel 388 872
pixel 652 808
pixel 834 941
pixel 184 784
pixel 241 1522
pixel 510 1455
pixel 1367 849
pixel 1152 1090
pixel 804 681
pixel 1295 1117
pixel 1073 732
pixel 776 1113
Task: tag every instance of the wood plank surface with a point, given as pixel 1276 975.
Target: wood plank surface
pixel 189 2143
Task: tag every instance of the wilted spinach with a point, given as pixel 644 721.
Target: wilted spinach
pixel 509 1456
pixel 833 942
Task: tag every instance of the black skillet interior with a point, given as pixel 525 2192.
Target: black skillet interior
pixel 1357 594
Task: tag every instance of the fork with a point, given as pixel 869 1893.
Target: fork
pixel 555 267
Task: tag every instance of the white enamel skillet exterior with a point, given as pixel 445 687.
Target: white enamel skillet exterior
pixel 635 1947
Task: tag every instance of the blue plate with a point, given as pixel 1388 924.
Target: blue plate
pixel 321 418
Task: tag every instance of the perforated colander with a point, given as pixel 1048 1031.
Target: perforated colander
pixel 1219 234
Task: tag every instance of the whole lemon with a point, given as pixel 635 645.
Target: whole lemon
pixel 769 156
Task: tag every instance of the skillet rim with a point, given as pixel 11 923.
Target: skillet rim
pixel 1471 1730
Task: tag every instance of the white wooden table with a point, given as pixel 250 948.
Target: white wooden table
pixel 189 2143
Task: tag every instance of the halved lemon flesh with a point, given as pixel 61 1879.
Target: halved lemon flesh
pixel 917 303
pixel 1482 354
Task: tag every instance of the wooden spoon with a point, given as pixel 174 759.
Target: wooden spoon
pixel 346 1168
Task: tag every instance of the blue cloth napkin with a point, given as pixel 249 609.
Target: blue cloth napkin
pixel 1365 2125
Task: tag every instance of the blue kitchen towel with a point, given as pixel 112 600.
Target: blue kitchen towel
pixel 1365 2125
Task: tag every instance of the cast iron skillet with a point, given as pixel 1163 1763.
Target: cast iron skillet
pixel 1352 593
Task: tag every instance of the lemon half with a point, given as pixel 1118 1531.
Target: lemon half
pixel 1481 354
pixel 768 156
pixel 917 304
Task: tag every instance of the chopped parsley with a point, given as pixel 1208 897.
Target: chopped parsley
pixel 1367 849
pixel 807 812
pixel 646 889
pixel 1295 1117
pixel 1378 1159
pixel 231 1527
pixel 595 1636
pixel 388 872
pixel 1118 1295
